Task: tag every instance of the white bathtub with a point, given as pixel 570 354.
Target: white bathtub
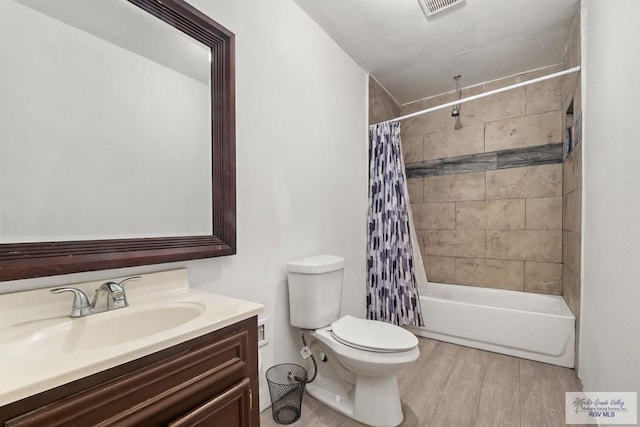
pixel 532 326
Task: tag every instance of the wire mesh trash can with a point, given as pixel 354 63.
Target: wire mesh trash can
pixel 286 387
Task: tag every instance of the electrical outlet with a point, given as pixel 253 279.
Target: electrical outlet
pixel 263 337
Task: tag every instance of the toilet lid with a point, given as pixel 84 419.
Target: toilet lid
pixel 372 335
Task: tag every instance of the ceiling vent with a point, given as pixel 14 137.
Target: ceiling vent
pixel 432 7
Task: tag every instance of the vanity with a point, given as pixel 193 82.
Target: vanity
pixel 174 357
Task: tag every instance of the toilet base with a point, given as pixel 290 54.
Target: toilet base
pixel 373 401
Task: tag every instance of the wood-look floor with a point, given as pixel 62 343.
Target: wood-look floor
pixel 454 386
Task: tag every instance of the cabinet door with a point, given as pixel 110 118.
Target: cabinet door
pixel 154 395
pixel 230 408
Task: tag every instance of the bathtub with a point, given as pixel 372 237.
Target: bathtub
pixel 532 326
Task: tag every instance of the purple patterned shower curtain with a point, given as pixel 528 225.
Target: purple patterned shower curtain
pixel 392 295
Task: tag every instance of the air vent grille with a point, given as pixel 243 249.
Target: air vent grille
pixel 431 7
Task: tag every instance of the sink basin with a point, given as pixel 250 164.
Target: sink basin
pixel 110 328
pixel 43 348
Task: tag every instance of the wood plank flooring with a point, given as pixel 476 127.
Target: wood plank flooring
pixel 454 386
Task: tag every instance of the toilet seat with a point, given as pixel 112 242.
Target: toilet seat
pixel 372 335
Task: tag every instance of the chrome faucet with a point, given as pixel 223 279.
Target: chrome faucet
pixel 108 296
pixel 80 306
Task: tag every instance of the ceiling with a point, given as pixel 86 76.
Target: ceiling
pixel 414 57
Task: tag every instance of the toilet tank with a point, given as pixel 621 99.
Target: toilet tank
pixel 315 291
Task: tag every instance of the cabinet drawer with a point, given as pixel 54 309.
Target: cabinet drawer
pixel 230 408
pixel 155 394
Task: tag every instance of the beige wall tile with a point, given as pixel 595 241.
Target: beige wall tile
pixel 504 82
pixel 572 183
pixel 571 250
pixel 381 105
pixel 492 214
pixel 544 213
pixel 443 98
pixel 413 149
pixel 572 172
pixel 489 210
pixel 468 91
pixel 416 190
pixel 415 187
pixel 573 43
pixel 525 131
pixel 543 277
pixel 577 97
pixel 449 188
pixel 525 245
pixel 423 124
pixel 572 211
pixel 490 273
pixel 451 143
pixel 434 216
pixel 572 91
pixel 544 96
pixel 440 269
pixel 571 290
pixel 500 106
pixel 543 71
pixel 568 89
pixel 527 182
pixel 572 58
pixel 425 103
pixel 522 77
pixel 453 243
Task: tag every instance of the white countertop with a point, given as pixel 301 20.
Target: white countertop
pixel 38 339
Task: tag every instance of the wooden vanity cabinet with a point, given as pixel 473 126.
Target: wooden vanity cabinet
pixel 208 381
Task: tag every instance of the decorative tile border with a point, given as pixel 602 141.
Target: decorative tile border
pixel 504 159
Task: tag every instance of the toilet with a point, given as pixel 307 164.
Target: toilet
pixel 357 359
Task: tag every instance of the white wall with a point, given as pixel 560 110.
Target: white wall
pixel 610 338
pixel 301 164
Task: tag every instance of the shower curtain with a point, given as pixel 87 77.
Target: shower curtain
pixel 392 295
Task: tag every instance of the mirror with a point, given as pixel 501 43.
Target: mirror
pixel 142 169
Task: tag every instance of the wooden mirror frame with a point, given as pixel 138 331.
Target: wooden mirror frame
pixel 30 260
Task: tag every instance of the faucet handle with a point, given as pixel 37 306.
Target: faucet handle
pixel 120 295
pixel 81 306
pixel 115 295
pixel 123 281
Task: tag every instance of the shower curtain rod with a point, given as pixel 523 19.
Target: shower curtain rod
pixel 482 95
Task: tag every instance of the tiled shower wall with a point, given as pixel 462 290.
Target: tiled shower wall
pixel 381 105
pixel 493 228
pixel 572 183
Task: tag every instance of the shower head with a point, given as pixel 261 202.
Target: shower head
pixel 458 124
pixel 456 108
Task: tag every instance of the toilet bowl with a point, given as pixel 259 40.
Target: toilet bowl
pixel 357 379
pixel 352 341
pixel 358 359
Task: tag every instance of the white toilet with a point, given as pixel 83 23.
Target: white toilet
pixel 357 359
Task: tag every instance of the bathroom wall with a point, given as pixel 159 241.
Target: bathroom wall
pixel 490 220
pixel 572 180
pixel 382 106
pixel 301 108
pixel 610 314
